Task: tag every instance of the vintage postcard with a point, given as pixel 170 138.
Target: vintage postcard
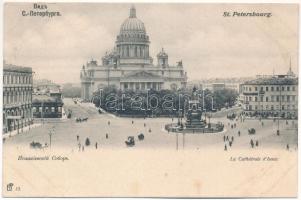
pixel 150 100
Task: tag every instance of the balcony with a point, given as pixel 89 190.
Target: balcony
pixel 250 93
pixel 261 92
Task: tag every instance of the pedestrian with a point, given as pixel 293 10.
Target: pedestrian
pixel 234 125
pixel 232 138
pixel 132 121
pixel 149 130
pixel 96 145
pixel 286 122
pixel 261 123
pixel 109 123
pixel 107 136
pixel 230 143
pixel 287 147
pixel 227 138
pixel 79 146
pixel 77 137
pixel 224 138
pixel 83 148
pixel 225 149
pixel 252 143
pixel 256 143
pixel 238 133
pixel 144 125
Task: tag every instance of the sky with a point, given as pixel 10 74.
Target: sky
pixel 209 44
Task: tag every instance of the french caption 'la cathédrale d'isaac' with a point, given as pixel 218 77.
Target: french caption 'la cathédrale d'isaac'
pixel 129 66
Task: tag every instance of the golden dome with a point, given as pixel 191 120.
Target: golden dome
pixel 132 24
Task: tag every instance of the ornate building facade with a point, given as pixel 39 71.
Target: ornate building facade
pixel 271 96
pixel 17 97
pixel 129 66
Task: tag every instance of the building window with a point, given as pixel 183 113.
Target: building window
pixel 293 98
pixel 288 107
pixel 293 88
pixel 272 98
pixel 267 107
pixel 266 99
pixel 277 98
pixel 250 107
pixel 255 88
pixel 277 88
pixel 59 109
pixel 256 107
pixel 261 99
pixel 282 89
pixel 288 88
pixel 266 88
pixel 255 98
pixel 261 88
pixel 272 107
pixel 282 99
pixel 52 109
pixel 282 107
pixel 250 89
pixel 40 109
pixel 288 98
pixel 4 98
pixel 34 109
pixel 250 98
pixel 272 88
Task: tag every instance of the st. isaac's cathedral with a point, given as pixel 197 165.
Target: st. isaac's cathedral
pixel 129 66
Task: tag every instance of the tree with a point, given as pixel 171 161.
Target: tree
pixel 69 90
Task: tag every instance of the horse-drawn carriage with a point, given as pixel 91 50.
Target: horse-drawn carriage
pixel 141 136
pixel 78 119
pixel 251 131
pixel 35 145
pixel 130 141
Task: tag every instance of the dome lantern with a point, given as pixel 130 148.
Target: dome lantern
pixel 133 12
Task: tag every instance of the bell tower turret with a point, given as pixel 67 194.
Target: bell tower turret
pixel 162 58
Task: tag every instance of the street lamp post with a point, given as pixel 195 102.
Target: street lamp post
pixel 100 96
pixel 50 136
pixel 279 115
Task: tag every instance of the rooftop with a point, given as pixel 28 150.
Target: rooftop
pixel 274 80
pixel 15 68
pixel 37 98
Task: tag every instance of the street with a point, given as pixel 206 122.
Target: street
pixel 116 170
pixel 118 129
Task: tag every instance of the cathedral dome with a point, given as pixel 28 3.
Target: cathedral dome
pixel 132 24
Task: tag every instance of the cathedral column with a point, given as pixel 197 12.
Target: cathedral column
pixel 138 51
